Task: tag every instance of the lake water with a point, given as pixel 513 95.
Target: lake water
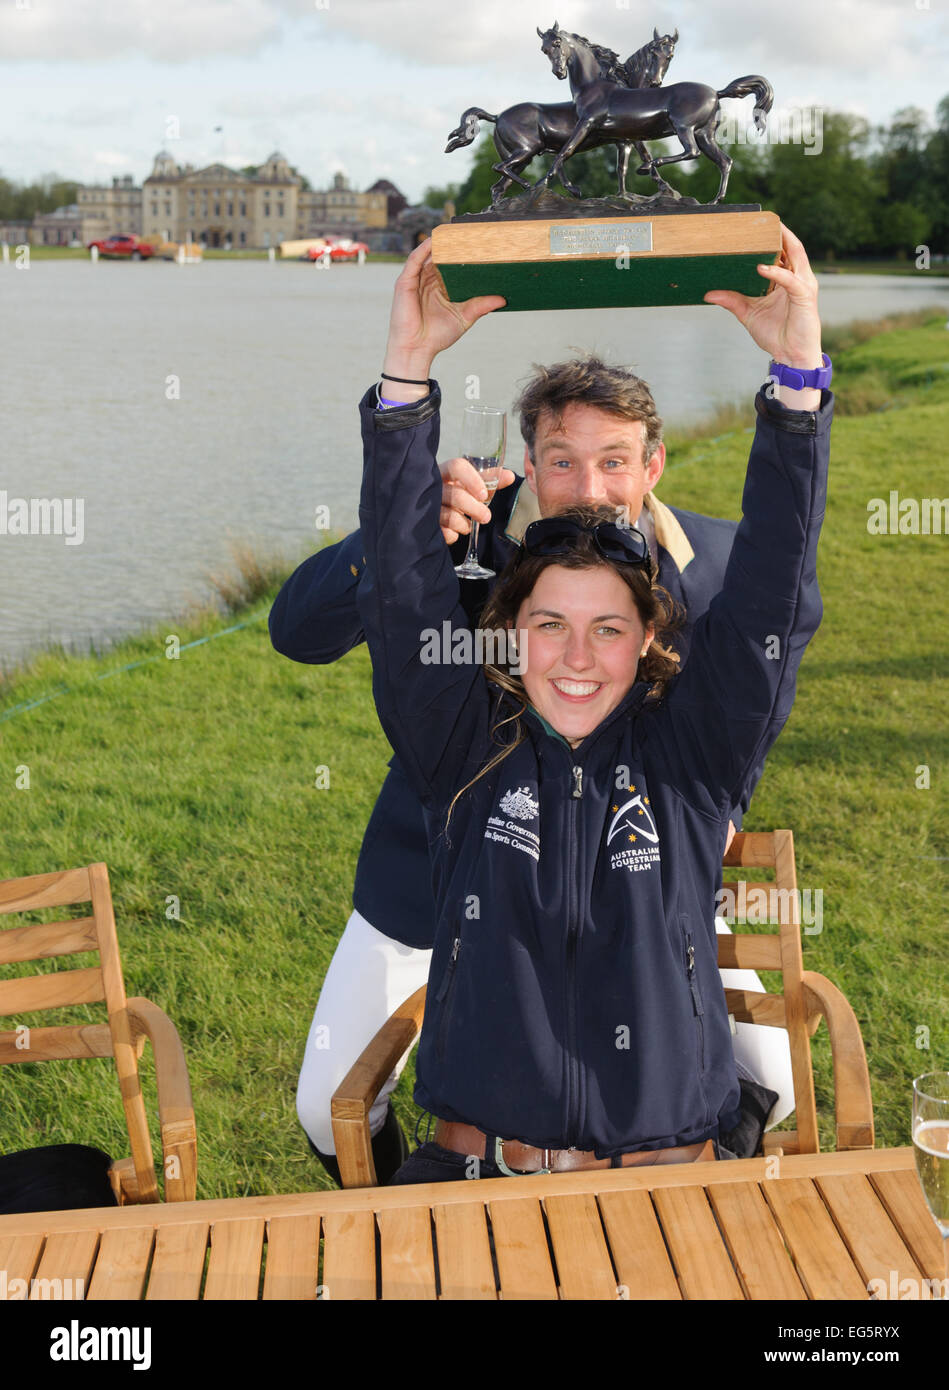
pixel 270 361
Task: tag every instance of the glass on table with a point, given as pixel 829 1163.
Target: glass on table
pixel 931 1144
pixel 483 437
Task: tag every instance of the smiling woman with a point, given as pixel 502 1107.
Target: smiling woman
pixel 585 642
pixel 586 614
pixel 587 621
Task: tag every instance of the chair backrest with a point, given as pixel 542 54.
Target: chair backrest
pixel 62 988
pixel 775 902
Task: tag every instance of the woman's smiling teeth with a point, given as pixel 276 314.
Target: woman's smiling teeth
pixel 576 689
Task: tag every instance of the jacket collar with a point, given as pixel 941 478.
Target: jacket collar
pixel 668 529
pixel 669 532
pixel 630 703
pixel 524 511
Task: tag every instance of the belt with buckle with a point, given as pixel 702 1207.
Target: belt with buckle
pixel 515 1159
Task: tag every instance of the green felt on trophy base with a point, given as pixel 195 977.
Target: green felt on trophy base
pixel 599 284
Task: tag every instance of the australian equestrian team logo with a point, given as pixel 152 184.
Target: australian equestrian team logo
pixel 634 831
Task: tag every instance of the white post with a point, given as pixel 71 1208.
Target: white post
pixel 325 259
pixel 271 255
pixel 361 258
pixel 6 254
pixel 94 254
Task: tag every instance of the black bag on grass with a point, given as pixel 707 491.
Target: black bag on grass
pixel 58 1178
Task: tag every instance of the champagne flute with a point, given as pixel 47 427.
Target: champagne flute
pixel 931 1142
pixel 483 435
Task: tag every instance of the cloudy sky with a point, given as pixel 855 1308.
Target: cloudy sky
pixel 91 88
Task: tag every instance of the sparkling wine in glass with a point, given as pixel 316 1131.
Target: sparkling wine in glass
pixel 931 1143
pixel 483 435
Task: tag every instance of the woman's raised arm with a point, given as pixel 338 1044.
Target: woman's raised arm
pixel 737 689
pixel 427 684
pixel 738 686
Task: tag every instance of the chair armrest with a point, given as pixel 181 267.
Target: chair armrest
pixel 175 1107
pixel 124 1180
pixel 853 1103
pixel 356 1093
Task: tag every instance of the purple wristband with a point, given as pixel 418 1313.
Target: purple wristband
pixel 818 378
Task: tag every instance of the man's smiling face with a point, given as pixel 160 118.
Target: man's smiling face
pixel 591 456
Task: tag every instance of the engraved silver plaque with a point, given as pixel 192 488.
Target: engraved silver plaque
pixel 604 239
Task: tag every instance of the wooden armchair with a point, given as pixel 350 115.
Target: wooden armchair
pixel 122 1037
pixel 807 998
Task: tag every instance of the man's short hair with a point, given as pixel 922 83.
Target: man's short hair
pixel 588 381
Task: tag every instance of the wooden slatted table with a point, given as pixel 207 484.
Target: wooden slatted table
pixel 800 1227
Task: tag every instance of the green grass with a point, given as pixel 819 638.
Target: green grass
pixel 55 253
pixel 870 710
pixel 903 266
pixel 196 778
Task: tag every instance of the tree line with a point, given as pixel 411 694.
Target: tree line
pixel 20 202
pixel 854 190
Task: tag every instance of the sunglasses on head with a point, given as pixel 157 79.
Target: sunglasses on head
pixel 560 535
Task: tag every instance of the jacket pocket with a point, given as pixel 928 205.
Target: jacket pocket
pixel 444 997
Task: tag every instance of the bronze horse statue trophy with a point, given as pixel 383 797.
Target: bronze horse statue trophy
pixel 688 110
pixel 530 128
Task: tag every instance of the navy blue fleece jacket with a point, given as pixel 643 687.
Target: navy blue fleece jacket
pixel 574 996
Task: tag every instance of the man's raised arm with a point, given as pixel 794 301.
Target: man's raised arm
pixel 315 617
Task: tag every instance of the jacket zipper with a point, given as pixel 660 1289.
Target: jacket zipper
pixel 693 983
pixel 444 988
pixel 572 982
pixel 699 1016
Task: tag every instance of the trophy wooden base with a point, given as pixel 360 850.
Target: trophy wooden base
pixel 608 262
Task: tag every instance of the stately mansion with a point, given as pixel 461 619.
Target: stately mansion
pixel 222 207
pixel 218 206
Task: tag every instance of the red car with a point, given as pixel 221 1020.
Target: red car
pixel 124 247
pixel 340 248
